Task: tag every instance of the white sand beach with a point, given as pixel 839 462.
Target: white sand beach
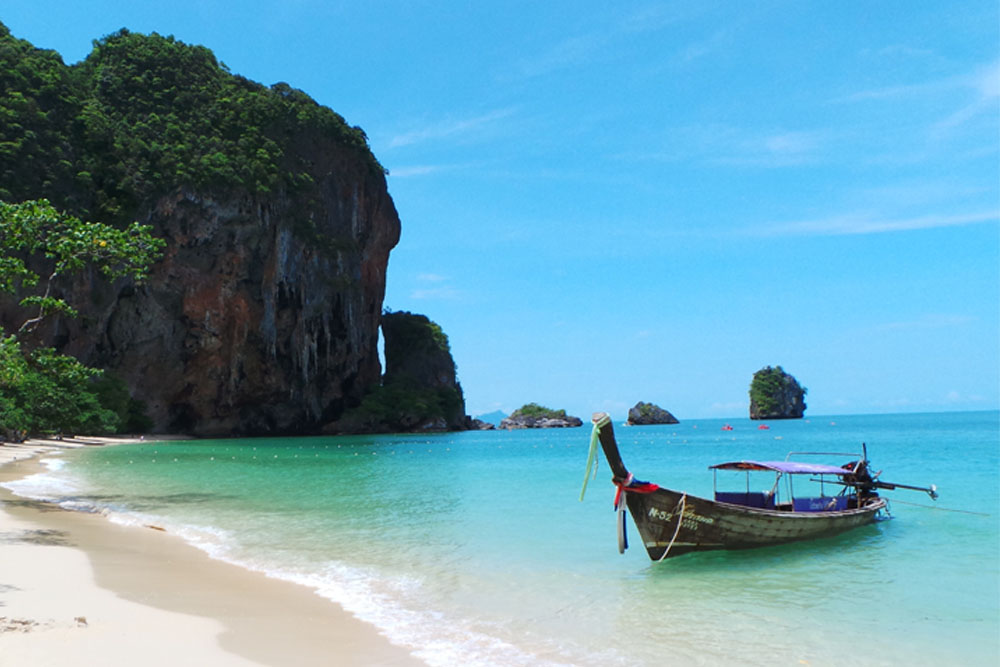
pixel 76 589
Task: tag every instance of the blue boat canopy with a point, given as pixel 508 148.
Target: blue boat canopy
pixel 790 467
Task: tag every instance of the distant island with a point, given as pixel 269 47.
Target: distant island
pixel 533 415
pixel 648 413
pixel 494 417
pixel 774 394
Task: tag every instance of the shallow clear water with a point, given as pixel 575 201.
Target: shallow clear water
pixel 472 548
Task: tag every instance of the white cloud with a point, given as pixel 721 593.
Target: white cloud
pixel 894 403
pixel 656 17
pixel 853 224
pixel 452 127
pixel 987 81
pixel 778 149
pixel 902 90
pixel 570 52
pixel 790 142
pixel 582 49
pixel 982 85
pixel 728 409
pixel 985 85
pixel 434 286
pixel 436 293
pixel 719 144
pixel 957 398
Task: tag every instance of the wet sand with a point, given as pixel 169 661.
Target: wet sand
pixel 76 589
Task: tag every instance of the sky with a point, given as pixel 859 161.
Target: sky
pixel 611 202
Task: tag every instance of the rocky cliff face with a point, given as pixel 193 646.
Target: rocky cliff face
pixel 419 391
pixel 262 316
pixel 418 360
pixel 417 352
pixel 533 415
pixel 648 413
pixel 517 422
pixel 774 394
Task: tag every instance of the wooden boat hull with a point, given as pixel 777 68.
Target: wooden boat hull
pixel 672 523
pixel 706 525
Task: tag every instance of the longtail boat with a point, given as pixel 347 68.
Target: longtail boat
pixel 672 523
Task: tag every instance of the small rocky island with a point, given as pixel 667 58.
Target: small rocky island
pixel 774 394
pixel 642 414
pixel 419 391
pixel 534 415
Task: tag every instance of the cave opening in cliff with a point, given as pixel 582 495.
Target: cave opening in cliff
pixel 183 418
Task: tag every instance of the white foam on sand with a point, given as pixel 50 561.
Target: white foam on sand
pixel 46 486
pixel 394 605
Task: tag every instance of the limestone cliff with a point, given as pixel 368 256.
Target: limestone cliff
pixel 263 315
pixel 648 413
pixel 419 391
pixel 774 394
pixel 245 327
pixel 533 415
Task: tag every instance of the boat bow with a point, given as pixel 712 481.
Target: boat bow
pixel 672 523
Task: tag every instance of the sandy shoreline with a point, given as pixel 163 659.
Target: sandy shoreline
pixel 75 584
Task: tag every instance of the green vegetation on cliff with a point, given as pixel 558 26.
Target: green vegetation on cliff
pixel 413 334
pixel 538 412
pixel 403 406
pixel 419 389
pixel 146 121
pixel 774 394
pixel 143 115
pixel 645 409
pixel 649 413
pixel 42 391
pixel 533 415
pixel 36 229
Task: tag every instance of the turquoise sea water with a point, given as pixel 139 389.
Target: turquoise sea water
pixel 473 549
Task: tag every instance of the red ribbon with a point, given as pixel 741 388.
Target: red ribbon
pixel 627 485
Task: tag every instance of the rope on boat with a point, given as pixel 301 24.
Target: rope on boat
pixel 591 459
pixel 940 509
pixel 680 517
